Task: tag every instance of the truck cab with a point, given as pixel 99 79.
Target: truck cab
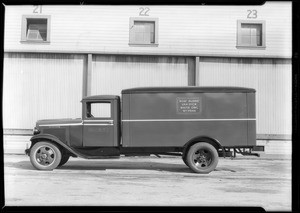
pixel 101 121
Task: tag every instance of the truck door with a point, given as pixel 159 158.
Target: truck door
pixel 98 124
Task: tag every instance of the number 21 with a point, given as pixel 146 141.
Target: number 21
pixel 37 9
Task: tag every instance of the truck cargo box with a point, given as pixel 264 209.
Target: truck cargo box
pixel 171 116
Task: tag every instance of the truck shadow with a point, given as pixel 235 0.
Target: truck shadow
pixel 155 166
pixel 117 165
pixel 26 165
pixel 86 165
pixel 108 165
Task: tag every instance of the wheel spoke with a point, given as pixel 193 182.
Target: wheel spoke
pixel 45 162
pixel 196 156
pixel 43 150
pixel 38 155
pixel 50 158
pixel 50 152
pixel 204 163
pixel 42 161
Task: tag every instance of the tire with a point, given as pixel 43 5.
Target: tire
pixel 45 155
pixel 202 158
pixel 64 159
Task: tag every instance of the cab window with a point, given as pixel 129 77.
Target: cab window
pixel 98 110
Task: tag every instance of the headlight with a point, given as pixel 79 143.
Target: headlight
pixel 36 131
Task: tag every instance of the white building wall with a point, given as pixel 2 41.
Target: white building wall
pixel 111 74
pixel 182 30
pixel 41 86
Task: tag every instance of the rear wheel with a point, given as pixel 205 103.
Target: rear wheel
pixel 45 155
pixel 202 157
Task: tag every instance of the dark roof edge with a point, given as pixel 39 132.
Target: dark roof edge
pixel 100 97
pixel 187 89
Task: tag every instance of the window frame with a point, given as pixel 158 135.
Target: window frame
pixel 142 19
pixel 88 109
pixel 239 33
pixel 24 28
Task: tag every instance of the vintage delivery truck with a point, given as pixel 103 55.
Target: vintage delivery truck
pixel 198 123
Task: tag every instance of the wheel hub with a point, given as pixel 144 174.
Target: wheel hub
pixel 45 155
pixel 201 158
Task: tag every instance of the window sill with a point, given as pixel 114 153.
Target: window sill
pixel 34 42
pixel 251 47
pixel 142 45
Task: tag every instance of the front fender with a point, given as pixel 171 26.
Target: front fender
pixel 46 136
pixel 54 139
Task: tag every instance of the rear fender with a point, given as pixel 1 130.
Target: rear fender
pixel 206 139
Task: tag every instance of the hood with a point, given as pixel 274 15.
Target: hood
pixel 58 121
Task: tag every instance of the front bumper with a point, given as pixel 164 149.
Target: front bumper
pixel 27 151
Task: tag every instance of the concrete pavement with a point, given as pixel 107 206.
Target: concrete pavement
pixel 150 181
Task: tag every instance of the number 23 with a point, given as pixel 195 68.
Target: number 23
pixel 252 14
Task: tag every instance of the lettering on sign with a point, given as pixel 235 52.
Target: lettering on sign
pixel 188 105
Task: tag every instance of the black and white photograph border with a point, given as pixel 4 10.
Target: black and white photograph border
pixel 55 56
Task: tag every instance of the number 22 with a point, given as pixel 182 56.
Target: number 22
pixel 144 11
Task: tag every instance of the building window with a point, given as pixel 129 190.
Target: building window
pixel 35 29
pixel 251 34
pixel 143 31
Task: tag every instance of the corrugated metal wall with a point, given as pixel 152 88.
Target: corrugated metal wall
pixel 111 74
pixel 271 78
pixel 41 86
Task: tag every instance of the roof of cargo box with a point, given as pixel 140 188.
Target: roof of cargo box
pixel 187 89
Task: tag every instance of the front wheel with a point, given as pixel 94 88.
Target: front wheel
pixel 202 158
pixel 45 155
